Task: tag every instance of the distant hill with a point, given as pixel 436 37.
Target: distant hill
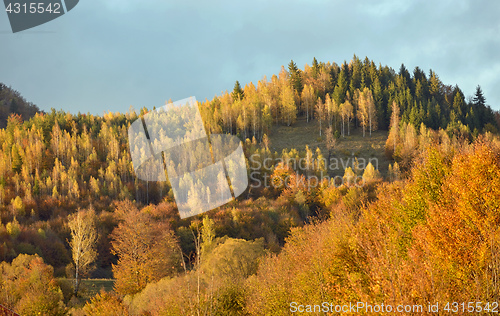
pixel 11 102
pixel 351 95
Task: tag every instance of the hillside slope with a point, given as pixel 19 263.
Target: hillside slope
pixel 304 134
pixel 11 102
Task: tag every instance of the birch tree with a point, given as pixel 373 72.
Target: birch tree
pixel 83 242
pixel 308 99
pixel 288 105
pixel 320 113
pixel 346 112
pixel 392 139
pixel 362 112
pixel 370 110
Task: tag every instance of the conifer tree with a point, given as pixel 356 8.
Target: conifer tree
pixel 339 93
pixel 479 99
pixel 295 77
pixel 237 91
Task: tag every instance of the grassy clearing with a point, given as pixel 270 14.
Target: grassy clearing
pixel 355 145
pixel 88 288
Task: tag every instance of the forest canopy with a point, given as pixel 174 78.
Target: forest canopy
pixel 68 180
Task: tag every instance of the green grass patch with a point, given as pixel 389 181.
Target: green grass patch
pixel 88 288
pixel 304 133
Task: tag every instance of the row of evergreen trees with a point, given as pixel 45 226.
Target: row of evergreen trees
pixel 295 93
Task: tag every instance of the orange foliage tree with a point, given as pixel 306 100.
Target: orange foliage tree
pixel 147 249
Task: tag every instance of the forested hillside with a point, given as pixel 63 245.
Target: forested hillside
pixel 11 102
pixel 67 180
pixel 357 93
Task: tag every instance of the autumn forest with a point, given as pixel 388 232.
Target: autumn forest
pixel 411 218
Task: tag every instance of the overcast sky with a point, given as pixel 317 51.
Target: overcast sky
pixel 108 55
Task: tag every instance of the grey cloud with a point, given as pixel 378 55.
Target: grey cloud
pixel 115 54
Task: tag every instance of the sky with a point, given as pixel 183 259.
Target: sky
pixel 109 55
